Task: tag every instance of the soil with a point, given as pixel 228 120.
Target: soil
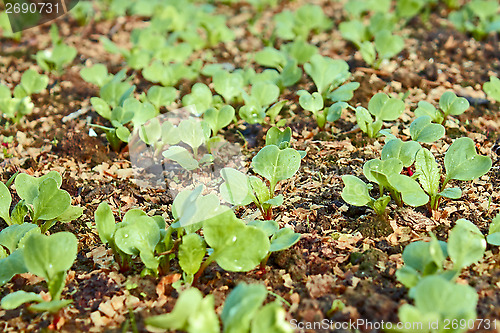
pixel 345 253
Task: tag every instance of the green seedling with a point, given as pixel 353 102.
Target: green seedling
pixel 407 9
pixel 286 59
pixel 159 96
pixel 41 198
pixel 315 104
pixel 449 104
pixel 492 88
pixel 466 245
pixel 258 103
pixel 461 163
pixel 136 235
pixel 96 74
pixel 403 151
pixel 48 257
pixel 358 7
pixel 478 17
pixel 170 74
pixel 243 312
pixel 228 85
pixel 384 108
pixel 12 240
pixel 357 193
pixel 327 73
pixel 493 237
pixel 55 59
pixel 272 163
pixel 299 24
pixel 195 134
pixel 15 106
pixel 217 119
pixel 423 130
pixel 201 97
pixel 281 139
pixel 438 302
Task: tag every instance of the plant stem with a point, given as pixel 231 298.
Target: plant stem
pixel 204 266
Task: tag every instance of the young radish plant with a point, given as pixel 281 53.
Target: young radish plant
pixel 383 108
pixel 243 311
pixel 461 163
pixel 449 104
pixel 41 198
pixel 55 59
pixel 48 257
pixel 492 88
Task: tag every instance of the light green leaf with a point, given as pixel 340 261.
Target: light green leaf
pixel 27 186
pixel 275 164
pixel 229 85
pixel 18 298
pixel 492 88
pixel 451 193
pixel 410 190
pixel 5 201
pixel 309 102
pixel 451 104
pixel 236 189
pixel 34 83
pixel 356 192
pixel 50 201
pixel 326 72
pixel 283 239
pixel 219 118
pixel 429 171
pixel 422 130
pixel 182 156
pixel 194 132
pixel 200 96
pixel 466 244
pixel 12 265
pixel 275 136
pixel 271 319
pixel 270 57
pixel 191 253
pixel 265 93
pixel 48 256
pixel 240 307
pixel 11 237
pixel 387 44
pixel 96 74
pixel 385 108
pixel 404 151
pixel 105 222
pixel 52 306
pixel 494 231
pixel 463 163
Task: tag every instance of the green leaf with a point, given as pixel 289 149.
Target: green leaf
pixel 404 151
pixel 190 207
pixel 265 93
pixel 96 74
pixel 282 139
pixel 335 111
pixel 356 192
pixel 5 201
pixel 451 193
pixel 386 167
pixel 271 319
pixel 52 306
pixel 101 107
pixel 451 104
pixel 427 109
pixel 368 52
pixel 200 96
pixel 139 237
pixel 18 298
pixel 182 156
pixel 387 44
pixel 34 83
pixel 429 171
pixel 422 130
pixel 448 300
pixel 353 31
pixel 48 256
pixel 161 96
pixel 239 247
pixel 275 201
pixel 178 319
pixel 309 102
pixel 11 237
pixel 191 253
pixel 194 133
pixel 343 93
pixel 466 244
pixel 326 72
pixel 12 265
pixel 363 119
pixel 270 227
pixel 385 108
pixel 492 88
pixel 50 201
pixel 493 237
pixel 240 307
pixel 270 57
pixel 463 163
pixel 275 164
pixel 217 119
pixel 283 239
pixel 228 85
pixel 105 223
pixel 27 186
pixel 300 50
pixel 236 187
pixel 410 190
